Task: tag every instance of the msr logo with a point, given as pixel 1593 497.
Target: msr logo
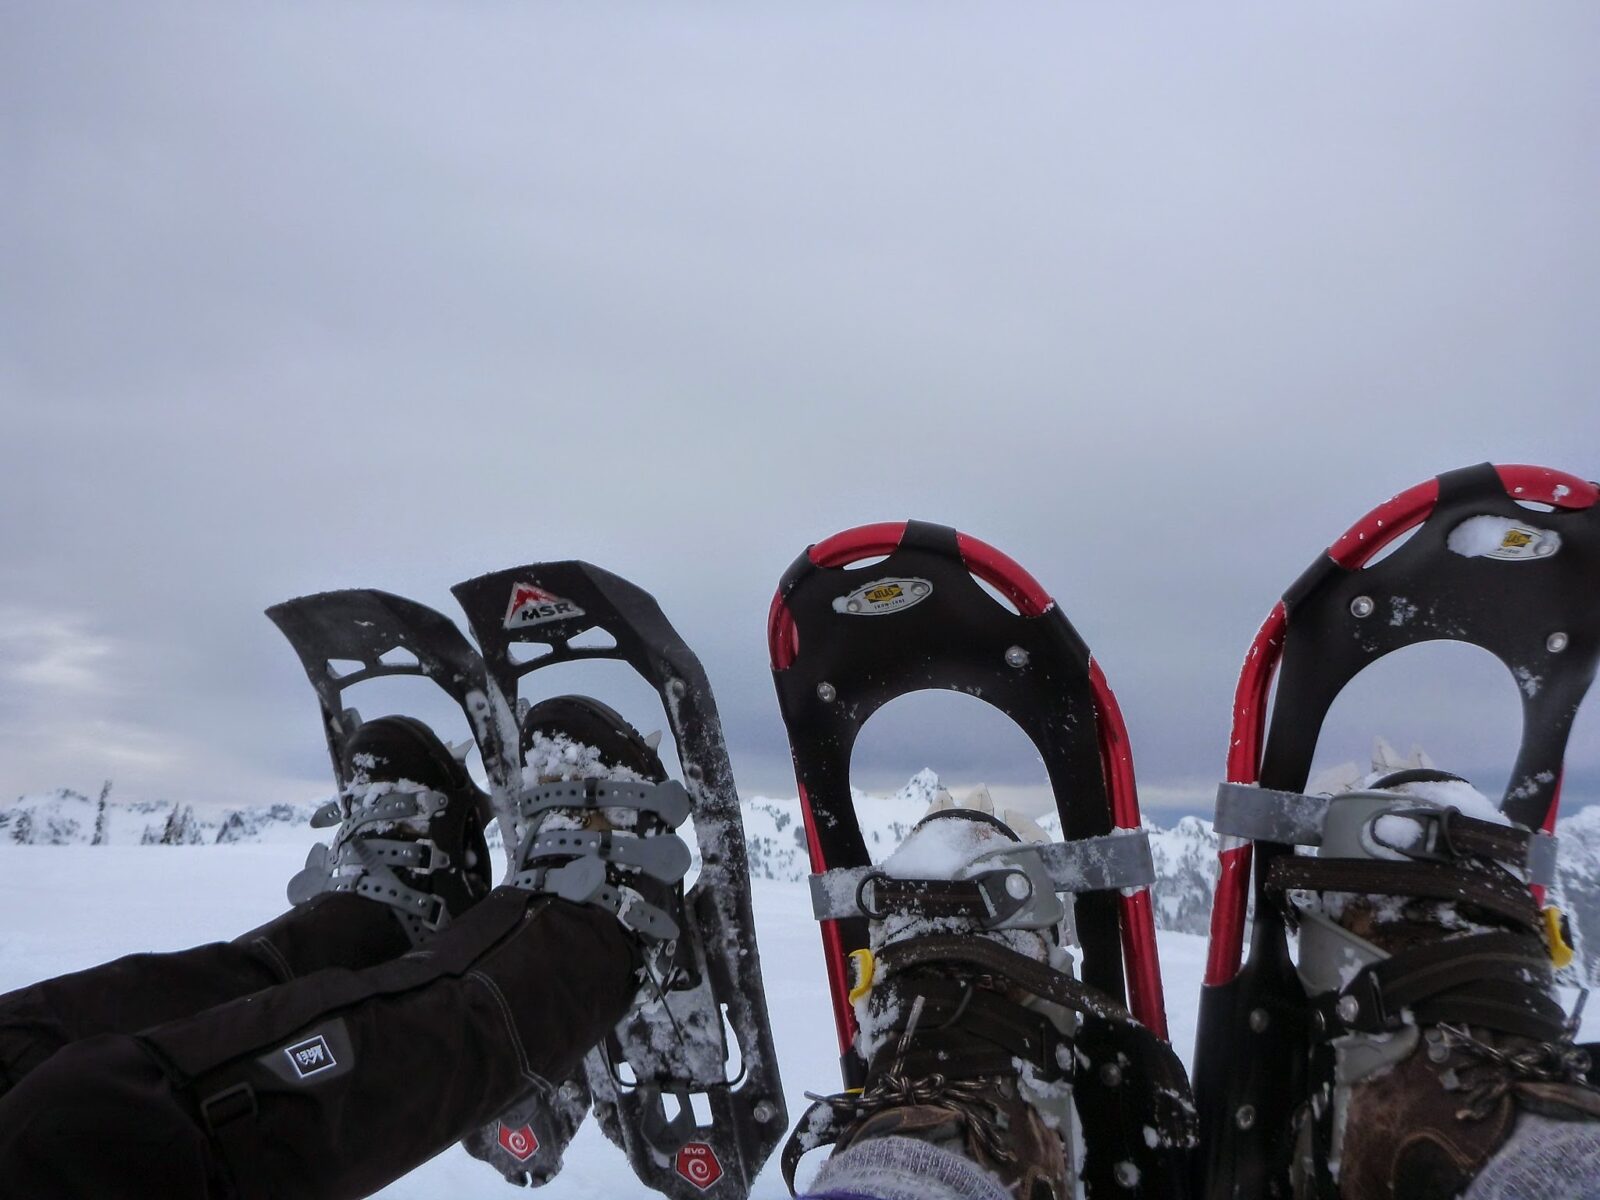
pixel 531 605
pixel 521 1144
pixel 311 1057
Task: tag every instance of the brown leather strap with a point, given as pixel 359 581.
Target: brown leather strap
pixel 1504 897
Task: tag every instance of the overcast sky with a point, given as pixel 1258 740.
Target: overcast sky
pixel 1158 298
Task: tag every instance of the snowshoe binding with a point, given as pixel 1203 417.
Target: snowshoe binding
pixel 845 643
pixel 592 819
pixel 1418 1029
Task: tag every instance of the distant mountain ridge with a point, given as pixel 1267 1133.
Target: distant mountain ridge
pixel 1185 854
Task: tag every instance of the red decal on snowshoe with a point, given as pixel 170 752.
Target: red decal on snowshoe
pixel 521 1144
pixel 697 1162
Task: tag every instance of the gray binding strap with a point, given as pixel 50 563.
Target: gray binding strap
pixel 1542 858
pixel 1099 864
pixel 668 801
pixel 583 881
pixel 422 856
pixel 1265 815
pixel 1111 862
pixel 383 886
pixel 663 858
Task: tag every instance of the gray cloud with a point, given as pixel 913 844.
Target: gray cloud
pixel 320 296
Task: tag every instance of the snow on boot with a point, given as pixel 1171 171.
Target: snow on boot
pixel 967 1012
pixel 410 829
pixel 578 753
pixel 1437 1034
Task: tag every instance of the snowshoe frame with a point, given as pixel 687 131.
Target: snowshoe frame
pixel 1344 613
pixel 845 642
pixel 553 604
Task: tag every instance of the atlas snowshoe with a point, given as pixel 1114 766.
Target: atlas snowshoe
pixel 575 829
pixel 1395 1055
pixel 843 644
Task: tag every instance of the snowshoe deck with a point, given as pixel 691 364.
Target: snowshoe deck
pixel 1480 568
pixel 845 642
pixel 676 1049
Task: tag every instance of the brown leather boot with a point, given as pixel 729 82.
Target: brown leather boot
pixel 1434 1011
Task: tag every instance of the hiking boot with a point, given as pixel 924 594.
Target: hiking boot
pixel 969 1058
pixel 410 829
pixel 1437 1028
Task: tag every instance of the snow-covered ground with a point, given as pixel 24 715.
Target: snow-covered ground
pixel 69 907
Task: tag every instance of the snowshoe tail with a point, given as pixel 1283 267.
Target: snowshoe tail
pixel 846 642
pixel 527 1143
pixel 726 1115
pixel 1479 568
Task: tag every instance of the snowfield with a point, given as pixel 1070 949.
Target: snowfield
pixel 70 907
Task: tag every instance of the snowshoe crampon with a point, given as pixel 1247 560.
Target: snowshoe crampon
pixel 1480 568
pixel 846 642
pixel 673 1049
pixel 374 634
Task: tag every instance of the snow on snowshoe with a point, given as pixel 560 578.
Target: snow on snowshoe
pixel 377 634
pixel 674 1047
pixel 1283 1045
pixel 846 642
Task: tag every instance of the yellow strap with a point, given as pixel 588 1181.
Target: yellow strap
pixel 866 967
pixel 1560 950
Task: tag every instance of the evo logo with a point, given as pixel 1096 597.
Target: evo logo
pixel 311 1057
pixel 532 605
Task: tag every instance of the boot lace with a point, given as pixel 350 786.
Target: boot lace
pixel 1543 1062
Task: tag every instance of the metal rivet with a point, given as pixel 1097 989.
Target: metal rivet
pixel 1018 887
pixel 1111 1075
pixel 571 1092
pixel 919 589
pixel 1126 1174
pixel 1362 606
pixel 1556 643
pixel 1259 1020
pixel 764 1111
pixel 826 692
pixel 1438 1052
pixel 1016 657
pixel 1245 1118
pixel 853 606
pixel 1348 1008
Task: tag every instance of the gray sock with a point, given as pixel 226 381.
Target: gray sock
pixel 1543 1159
pixel 897 1168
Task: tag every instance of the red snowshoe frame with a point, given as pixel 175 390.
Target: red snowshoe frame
pixel 544 607
pixel 1344 613
pixel 958 638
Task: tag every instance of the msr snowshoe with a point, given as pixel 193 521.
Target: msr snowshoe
pixel 568 738
pixel 410 819
pixel 396 841
pixel 577 829
pixel 844 643
pixel 1418 1028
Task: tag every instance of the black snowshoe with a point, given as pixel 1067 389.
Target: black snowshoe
pixel 1423 982
pixel 703 963
pixel 846 642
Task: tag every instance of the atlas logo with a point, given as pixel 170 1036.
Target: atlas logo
pixel 697 1162
pixel 311 1057
pixel 532 605
pixel 521 1144
pixel 883 596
